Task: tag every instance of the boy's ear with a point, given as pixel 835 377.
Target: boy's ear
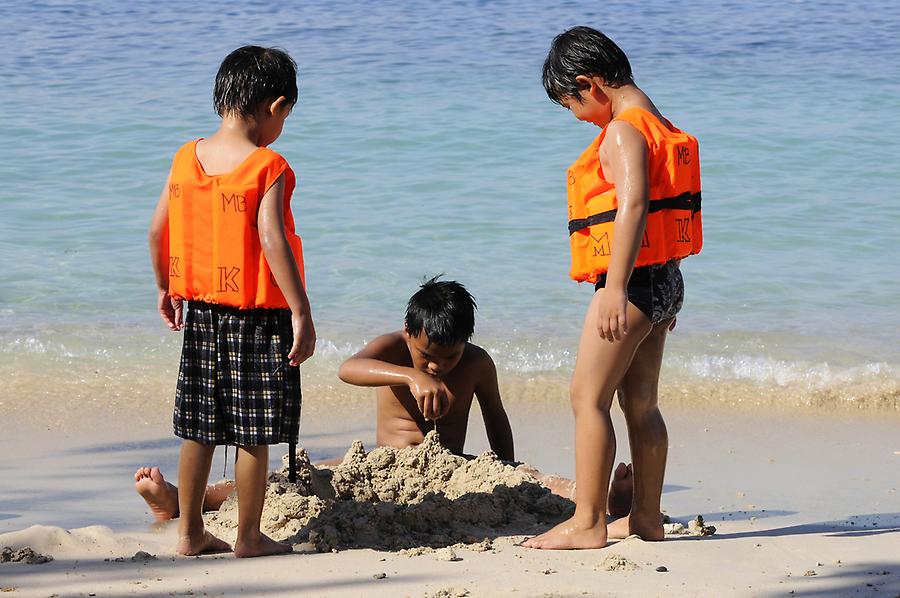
pixel 593 86
pixel 277 105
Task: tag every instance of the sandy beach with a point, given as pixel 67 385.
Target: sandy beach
pixel 802 505
pixel 423 142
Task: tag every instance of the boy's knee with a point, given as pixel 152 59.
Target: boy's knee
pixel 637 404
pixel 583 399
pixel 641 412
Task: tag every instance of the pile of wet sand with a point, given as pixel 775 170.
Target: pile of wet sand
pixel 392 499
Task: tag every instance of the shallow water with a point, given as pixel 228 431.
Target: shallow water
pixel 425 144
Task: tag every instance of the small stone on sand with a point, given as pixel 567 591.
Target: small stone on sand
pixel 141 556
pixel 446 554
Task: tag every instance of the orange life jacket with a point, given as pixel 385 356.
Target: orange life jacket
pixel 214 249
pixel 673 228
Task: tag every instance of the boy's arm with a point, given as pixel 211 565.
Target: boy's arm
pixel 376 365
pixel 277 250
pixel 169 309
pixel 496 423
pixel 624 158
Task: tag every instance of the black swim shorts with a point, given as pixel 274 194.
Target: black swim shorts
pixel 658 290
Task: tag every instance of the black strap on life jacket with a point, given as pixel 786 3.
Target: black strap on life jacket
pixel 685 201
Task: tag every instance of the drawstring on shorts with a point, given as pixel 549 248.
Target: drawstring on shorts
pixel 292 462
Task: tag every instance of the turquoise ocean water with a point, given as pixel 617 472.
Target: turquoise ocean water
pixel 424 144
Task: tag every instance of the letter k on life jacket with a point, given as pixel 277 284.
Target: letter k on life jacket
pixel 673 230
pixel 215 254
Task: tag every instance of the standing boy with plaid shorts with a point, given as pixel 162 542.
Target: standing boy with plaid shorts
pixel 223 239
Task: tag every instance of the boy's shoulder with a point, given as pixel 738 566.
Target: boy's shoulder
pixel 390 346
pixel 477 359
pixel 477 352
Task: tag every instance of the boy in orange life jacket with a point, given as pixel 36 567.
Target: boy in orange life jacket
pixel 223 239
pixel 634 213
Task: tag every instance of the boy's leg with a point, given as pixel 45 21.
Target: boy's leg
pixel 599 368
pixel 618 502
pixel 647 436
pixel 251 470
pixel 193 471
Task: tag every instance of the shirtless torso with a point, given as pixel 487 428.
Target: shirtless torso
pixel 388 363
pixel 401 424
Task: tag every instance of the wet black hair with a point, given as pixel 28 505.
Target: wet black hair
pixel 252 75
pixel 444 309
pixel 583 51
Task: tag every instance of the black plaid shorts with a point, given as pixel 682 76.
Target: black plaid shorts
pixel 235 385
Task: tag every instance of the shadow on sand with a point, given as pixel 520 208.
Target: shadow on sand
pixel 855 526
pixel 95 577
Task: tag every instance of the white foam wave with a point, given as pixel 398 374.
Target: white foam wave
pixel 528 358
pixel 36 346
pixel 329 349
pixel 541 358
pixel 767 370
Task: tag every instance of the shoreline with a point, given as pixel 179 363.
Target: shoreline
pixel 142 393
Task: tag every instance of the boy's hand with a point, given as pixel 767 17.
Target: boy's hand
pixel 611 322
pixel 430 394
pixel 304 339
pixel 170 310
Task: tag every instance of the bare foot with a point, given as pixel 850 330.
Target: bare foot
pixel 618 529
pixel 621 490
pixel 262 546
pixel 161 496
pixel 205 543
pixel 650 530
pixel 570 535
